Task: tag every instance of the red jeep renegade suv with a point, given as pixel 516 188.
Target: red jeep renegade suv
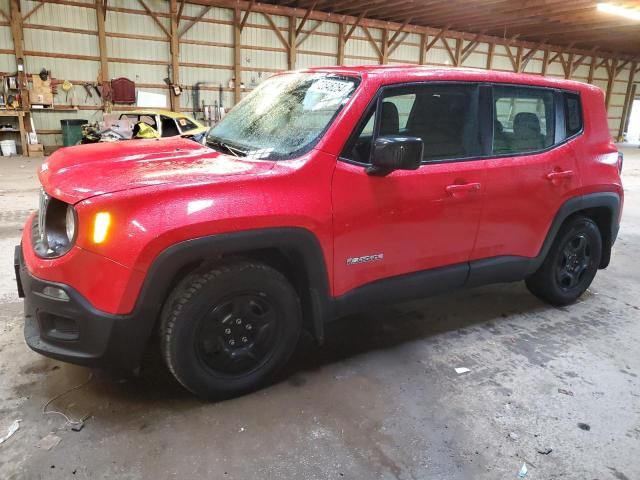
pixel 322 193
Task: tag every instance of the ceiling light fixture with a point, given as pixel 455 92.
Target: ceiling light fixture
pixel 628 13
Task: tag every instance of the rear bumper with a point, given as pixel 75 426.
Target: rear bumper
pixel 71 330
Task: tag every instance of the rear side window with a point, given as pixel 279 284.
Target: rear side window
pixel 523 119
pixel 573 114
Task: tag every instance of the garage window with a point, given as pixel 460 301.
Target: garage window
pixel 523 119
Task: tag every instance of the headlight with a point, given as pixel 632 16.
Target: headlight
pixel 54 233
pixel 70 222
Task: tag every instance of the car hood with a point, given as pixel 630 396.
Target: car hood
pixel 74 174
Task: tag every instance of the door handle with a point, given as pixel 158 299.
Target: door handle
pixel 462 188
pixel 559 175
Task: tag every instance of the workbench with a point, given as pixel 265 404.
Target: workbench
pixel 21 129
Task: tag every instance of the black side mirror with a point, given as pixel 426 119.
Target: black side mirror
pixel 395 152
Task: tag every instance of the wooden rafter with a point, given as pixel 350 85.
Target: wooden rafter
pixel 300 40
pixel 529 55
pixel 354 26
pixel 182 2
pixel 246 14
pixel 155 18
pixel 512 59
pixel 200 16
pixel 580 61
pixel 305 18
pixel 32 11
pixel 470 48
pixel 277 31
pixel 394 37
pixel 438 36
pixel 451 53
pixel 398 43
pixel 372 41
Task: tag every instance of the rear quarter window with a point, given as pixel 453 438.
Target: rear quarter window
pixel 573 114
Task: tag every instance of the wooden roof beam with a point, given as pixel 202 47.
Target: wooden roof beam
pixel 354 26
pixel 305 18
pixel 372 41
pixel 200 16
pixel 276 30
pixel 308 33
pixel 245 17
pixel 155 18
pixel 33 10
pixel 370 22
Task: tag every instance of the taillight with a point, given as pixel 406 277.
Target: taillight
pixel 620 161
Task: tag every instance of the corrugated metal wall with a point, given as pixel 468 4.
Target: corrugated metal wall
pixel 62 37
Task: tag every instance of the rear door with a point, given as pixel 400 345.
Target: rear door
pixel 531 171
pixel 410 221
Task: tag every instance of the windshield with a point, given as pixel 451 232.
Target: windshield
pixel 283 117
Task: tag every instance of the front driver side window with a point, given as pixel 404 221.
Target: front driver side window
pixel 444 116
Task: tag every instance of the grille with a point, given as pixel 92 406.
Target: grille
pixel 42 213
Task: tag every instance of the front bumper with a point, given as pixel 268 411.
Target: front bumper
pixel 71 330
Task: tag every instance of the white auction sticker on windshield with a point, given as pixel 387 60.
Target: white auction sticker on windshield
pixel 331 87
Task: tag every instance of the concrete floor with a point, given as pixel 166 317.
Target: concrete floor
pixel 380 401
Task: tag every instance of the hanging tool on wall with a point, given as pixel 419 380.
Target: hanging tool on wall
pixel 66 88
pixel 87 88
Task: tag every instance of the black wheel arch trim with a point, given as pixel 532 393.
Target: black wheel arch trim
pixel 296 240
pixel 608 200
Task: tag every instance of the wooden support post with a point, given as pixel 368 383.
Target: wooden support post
pixel 18 46
pixel 384 51
pixel 104 55
pixel 519 59
pixel 592 69
pixel 545 62
pixel 237 55
pixel 174 48
pixel 568 66
pixel 458 60
pixel 341 44
pixel 423 49
pixel 291 54
pixel 628 101
pixel 612 71
pixel 16 28
pixel 492 49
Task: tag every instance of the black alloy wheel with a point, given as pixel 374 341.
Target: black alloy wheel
pixel 571 263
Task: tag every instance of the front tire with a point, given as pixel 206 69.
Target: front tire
pixel 570 265
pixel 227 331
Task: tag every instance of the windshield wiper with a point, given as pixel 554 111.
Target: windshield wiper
pixel 226 148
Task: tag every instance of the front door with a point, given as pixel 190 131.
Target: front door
pixel 410 221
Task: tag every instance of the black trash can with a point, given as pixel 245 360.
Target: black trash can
pixel 72 131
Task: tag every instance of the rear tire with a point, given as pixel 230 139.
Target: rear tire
pixel 571 263
pixel 227 331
